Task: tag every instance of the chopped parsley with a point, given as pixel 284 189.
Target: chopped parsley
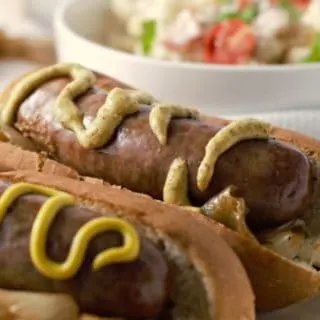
pixel 247 15
pixel 226 16
pixel 148 35
pixel 314 54
pixel 224 2
pixel 287 5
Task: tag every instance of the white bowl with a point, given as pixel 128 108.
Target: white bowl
pixel 80 27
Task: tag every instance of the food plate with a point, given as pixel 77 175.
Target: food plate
pixel 213 88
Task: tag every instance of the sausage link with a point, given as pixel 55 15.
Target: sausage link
pixel 273 177
pixel 131 290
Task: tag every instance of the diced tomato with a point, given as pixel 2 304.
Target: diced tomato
pixel 229 42
pixel 243 4
pixel 299 4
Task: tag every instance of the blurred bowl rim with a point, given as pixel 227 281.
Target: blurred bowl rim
pixel 60 21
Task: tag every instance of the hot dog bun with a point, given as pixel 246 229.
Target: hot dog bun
pixel 286 282
pixel 306 280
pixel 17 158
pixel 283 276
pixel 207 276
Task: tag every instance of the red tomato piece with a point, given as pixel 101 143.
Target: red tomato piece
pixel 243 4
pixel 299 4
pixel 229 42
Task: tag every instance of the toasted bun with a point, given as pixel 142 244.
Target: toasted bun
pixel 208 277
pixel 273 289
pixel 277 282
pixel 15 158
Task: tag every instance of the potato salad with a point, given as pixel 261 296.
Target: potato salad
pixel 221 31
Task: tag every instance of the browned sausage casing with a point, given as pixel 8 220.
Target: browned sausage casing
pixel 132 290
pixel 274 178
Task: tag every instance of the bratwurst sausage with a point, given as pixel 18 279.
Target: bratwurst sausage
pixel 136 289
pixel 273 177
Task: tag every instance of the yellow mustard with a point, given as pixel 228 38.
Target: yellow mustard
pixel 67 269
pixel 118 104
pixel 236 131
pixel 161 115
pixel 175 190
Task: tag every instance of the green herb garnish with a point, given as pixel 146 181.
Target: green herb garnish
pixel 314 54
pixel 148 35
pixel 249 14
pixel 294 13
pixel 224 1
pixel 246 15
pixel 226 16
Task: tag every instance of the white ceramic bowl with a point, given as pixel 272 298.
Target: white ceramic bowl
pixel 80 27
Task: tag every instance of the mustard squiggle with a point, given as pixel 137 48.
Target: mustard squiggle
pixel 118 104
pixel 227 137
pixel 37 246
pixel 175 190
pixel 161 115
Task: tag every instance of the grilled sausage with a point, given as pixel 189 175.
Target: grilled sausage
pixel 136 289
pixel 273 177
pixel 183 270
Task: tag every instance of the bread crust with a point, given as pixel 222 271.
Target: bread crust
pixel 16 158
pixel 269 272
pixel 277 281
pixel 225 278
